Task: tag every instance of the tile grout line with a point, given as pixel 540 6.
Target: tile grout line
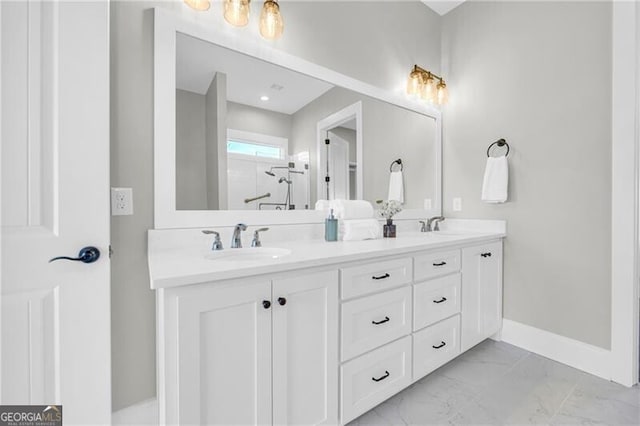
pixel 564 401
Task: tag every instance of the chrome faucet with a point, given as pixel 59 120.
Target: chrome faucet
pixel 429 225
pixel 236 241
pixel 256 237
pixel 217 243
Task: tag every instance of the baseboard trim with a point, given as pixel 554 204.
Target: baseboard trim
pixel 141 413
pixel 580 355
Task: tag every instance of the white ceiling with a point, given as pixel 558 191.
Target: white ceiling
pixel 247 78
pixel 442 7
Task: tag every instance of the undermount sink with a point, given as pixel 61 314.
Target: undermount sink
pixel 249 254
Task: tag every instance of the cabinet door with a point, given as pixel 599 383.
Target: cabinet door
pixel 224 355
pixel 481 293
pixel 305 349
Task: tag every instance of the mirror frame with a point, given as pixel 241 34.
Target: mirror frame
pixel 166 216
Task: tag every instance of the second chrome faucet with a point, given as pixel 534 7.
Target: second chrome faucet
pixel 429 226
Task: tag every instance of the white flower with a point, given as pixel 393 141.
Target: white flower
pixel 388 208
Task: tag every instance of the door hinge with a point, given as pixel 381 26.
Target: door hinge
pixel 110 251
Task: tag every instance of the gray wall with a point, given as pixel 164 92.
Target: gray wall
pixel 539 75
pixel 388 37
pixel 191 164
pixel 216 142
pixel 258 120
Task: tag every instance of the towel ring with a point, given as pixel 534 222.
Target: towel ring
pixel 398 162
pixel 499 142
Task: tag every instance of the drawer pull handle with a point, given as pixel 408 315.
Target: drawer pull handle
pixel 386 374
pixel 444 299
pixel 488 254
pixel 380 277
pixel 440 264
pixel 442 344
pixel 380 322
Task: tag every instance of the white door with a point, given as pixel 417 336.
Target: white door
pixel 224 355
pixel 481 293
pixel 338 168
pixel 305 349
pixel 55 177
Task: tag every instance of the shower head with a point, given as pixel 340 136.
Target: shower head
pixel 270 173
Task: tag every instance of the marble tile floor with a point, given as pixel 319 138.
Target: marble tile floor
pixel 498 384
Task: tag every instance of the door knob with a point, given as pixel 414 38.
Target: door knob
pixel 87 255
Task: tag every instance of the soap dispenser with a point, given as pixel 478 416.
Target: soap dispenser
pixel 331 228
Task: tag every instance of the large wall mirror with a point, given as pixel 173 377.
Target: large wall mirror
pixel 248 133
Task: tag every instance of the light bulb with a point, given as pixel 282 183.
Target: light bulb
pixel 414 84
pixel 199 5
pixel 429 89
pixel 443 93
pixel 236 12
pixel 271 23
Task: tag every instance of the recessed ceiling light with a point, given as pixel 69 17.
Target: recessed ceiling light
pixel 264 98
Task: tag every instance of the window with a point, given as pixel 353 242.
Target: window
pixel 249 144
pixel 253 149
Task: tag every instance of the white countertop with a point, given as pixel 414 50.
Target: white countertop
pixel 188 264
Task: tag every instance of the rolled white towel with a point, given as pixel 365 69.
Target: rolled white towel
pixel 496 180
pixel 352 209
pixel 323 205
pixel 360 229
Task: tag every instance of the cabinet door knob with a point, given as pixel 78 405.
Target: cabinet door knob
pixel 444 299
pixel 442 344
pixel 266 304
pixel 386 374
pixel 440 264
pixel 282 301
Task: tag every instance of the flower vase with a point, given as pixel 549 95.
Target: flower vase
pixel 389 230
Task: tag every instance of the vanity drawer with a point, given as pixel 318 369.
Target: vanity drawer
pixel 435 345
pixel 375 320
pixel 436 300
pixel 370 379
pixel 436 264
pixel 372 277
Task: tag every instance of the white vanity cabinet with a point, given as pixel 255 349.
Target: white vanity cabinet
pixel 481 293
pixel 326 342
pixel 250 351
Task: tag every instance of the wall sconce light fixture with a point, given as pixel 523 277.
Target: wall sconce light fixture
pixel 422 85
pixel 236 13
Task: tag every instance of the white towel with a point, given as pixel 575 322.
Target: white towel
pixel 352 209
pixel 496 180
pixel 396 187
pixel 360 229
pixel 323 205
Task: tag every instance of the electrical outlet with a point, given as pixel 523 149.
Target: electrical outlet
pixel 121 201
pixel 457 204
pixel 427 204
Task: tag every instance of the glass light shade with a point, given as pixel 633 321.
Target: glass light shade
pixel 236 12
pixel 199 5
pixel 414 84
pixel 429 90
pixel 443 93
pixel 271 23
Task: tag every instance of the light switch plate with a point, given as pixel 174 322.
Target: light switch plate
pixel 457 204
pixel 121 201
